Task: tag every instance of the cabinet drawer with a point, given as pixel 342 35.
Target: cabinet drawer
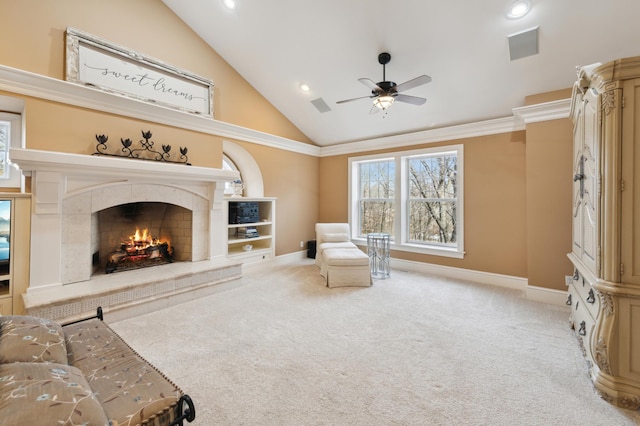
pixel 252 256
pixel 589 295
pixel 582 322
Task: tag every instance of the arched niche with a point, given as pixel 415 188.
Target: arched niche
pixel 249 170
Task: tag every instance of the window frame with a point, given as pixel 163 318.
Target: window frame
pixel 359 188
pixel 229 164
pixel 13 178
pixel 400 241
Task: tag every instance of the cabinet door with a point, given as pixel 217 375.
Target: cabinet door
pixel 578 136
pixel 585 183
pixel 630 194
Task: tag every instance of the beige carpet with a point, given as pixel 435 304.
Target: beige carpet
pixel 279 348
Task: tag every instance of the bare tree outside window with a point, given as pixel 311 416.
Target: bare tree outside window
pixel 376 198
pixel 416 196
pixel 432 200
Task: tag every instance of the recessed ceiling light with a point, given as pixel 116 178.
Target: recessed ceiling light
pixel 231 4
pixel 304 87
pixel 518 9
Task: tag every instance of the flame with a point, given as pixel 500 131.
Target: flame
pixel 145 237
pixel 141 240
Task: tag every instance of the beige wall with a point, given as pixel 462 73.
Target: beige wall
pixel 294 177
pixel 549 182
pixel 517 201
pixel 517 197
pixel 32 39
pixel 52 126
pixel 494 203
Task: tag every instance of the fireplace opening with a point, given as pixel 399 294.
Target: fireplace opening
pixel 141 235
pixel 140 250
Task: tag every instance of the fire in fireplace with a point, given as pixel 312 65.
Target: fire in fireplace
pixel 140 250
pixel 141 234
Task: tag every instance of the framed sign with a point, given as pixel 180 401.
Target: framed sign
pixel 94 62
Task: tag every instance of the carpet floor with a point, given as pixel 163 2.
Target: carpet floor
pixel 280 348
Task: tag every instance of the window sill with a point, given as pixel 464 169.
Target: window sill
pixel 417 248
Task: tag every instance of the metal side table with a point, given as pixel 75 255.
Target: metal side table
pixel 379 254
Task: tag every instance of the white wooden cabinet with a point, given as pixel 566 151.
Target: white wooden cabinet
pixel 605 292
pixel 262 243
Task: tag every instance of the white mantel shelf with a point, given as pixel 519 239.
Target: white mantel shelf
pixel 30 160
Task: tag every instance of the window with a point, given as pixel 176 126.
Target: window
pixel 432 199
pixel 377 196
pixel 235 187
pixel 416 196
pixel 10 136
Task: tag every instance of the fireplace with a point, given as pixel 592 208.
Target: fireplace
pixel 76 199
pixel 141 235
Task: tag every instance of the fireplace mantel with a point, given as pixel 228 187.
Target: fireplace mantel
pixel 30 160
pixel 56 175
pixel 69 189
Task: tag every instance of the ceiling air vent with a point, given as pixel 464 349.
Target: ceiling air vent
pixel 321 105
pixel 523 44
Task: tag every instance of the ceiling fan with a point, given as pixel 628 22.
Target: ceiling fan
pixel 384 93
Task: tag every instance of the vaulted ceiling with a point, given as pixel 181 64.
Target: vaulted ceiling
pixel 464 46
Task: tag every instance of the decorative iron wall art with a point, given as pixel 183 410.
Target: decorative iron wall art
pixel 145 152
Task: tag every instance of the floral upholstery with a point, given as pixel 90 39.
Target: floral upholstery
pixel 31 339
pixel 130 390
pixel 35 393
pixel 79 374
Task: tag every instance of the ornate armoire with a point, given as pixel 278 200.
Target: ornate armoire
pixel 604 295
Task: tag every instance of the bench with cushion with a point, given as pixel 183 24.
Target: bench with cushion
pixel 82 373
pixel 341 262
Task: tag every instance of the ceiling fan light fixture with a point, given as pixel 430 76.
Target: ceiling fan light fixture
pixel 518 8
pixel 383 102
pixel 230 4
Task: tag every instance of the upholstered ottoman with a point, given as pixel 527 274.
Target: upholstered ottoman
pixel 346 267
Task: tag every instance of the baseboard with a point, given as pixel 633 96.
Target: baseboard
pixel 546 295
pixel 539 294
pixel 499 280
pixel 294 257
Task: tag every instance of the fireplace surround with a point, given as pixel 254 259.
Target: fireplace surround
pixel 68 193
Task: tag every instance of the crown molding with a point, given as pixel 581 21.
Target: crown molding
pixel 521 117
pixel 30 84
pixel 547 111
pixel 482 128
pixel 43 87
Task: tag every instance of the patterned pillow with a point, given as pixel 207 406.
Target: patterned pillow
pixel 31 339
pixel 47 394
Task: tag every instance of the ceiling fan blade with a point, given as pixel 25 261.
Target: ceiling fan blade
pixel 355 99
pixel 414 100
pixel 418 81
pixel 370 84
